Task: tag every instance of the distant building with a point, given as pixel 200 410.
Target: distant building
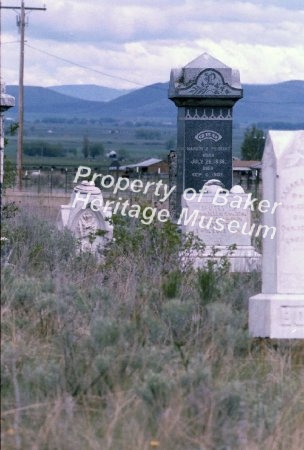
pixel 149 166
pixel 246 170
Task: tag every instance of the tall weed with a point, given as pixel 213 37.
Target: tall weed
pixel 135 353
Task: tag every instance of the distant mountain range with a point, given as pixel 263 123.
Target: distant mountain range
pixel 90 92
pixel 281 103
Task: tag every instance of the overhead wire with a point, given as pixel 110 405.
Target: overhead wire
pixel 153 86
pixel 92 69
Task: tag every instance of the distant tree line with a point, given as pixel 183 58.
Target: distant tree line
pixel 75 120
pixel 42 148
pixel 92 149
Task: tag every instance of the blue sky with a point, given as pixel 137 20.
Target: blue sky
pixel 129 43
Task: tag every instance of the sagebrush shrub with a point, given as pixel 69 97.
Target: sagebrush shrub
pixel 138 348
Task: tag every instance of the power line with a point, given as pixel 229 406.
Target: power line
pixel 73 63
pixel 90 68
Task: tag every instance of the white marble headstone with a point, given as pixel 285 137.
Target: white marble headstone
pixel 86 223
pixel 221 226
pixel 278 312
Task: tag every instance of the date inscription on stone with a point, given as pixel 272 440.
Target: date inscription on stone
pixel 208 146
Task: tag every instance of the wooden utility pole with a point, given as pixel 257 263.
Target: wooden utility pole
pixel 21 23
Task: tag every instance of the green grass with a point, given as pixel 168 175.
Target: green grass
pixel 116 353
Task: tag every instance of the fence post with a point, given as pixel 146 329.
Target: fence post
pixel 51 184
pixel 66 180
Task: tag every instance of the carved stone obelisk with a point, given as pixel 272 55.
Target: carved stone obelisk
pixel 205 91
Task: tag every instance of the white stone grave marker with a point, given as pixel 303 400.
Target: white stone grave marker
pixel 220 226
pixel 278 312
pixel 84 223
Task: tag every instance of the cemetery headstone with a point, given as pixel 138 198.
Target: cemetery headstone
pixel 220 227
pixel 91 225
pixel 204 91
pixel 278 312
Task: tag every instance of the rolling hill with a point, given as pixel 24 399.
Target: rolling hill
pixel 273 103
pixel 90 92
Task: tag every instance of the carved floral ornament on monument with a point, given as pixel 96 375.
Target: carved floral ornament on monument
pixel 209 82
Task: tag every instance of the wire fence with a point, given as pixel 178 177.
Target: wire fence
pixel 52 180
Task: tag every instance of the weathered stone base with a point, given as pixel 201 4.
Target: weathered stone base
pixel 243 259
pixel 277 316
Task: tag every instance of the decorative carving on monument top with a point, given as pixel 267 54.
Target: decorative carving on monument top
pixel 205 77
pixel 209 83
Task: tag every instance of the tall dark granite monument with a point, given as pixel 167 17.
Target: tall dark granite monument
pixel 205 91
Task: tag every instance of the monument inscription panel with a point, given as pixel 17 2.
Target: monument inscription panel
pixel 208 149
pixel 211 222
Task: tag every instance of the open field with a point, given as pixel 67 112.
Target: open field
pixel 132 142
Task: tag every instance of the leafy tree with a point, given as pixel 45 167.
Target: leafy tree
pixel 253 144
pixel 96 149
pixel 91 149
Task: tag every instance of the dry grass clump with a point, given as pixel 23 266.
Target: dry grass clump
pixel 133 353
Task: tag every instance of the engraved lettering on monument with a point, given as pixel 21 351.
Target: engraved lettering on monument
pixel 292 315
pixel 208 149
pixel 205 91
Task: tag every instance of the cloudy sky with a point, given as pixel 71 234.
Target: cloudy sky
pixel 133 43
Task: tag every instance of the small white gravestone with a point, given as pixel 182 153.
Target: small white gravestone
pixel 85 223
pixel 220 226
pixel 278 312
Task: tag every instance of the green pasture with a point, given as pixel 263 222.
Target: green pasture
pixel 132 142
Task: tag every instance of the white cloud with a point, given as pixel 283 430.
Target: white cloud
pixel 141 40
